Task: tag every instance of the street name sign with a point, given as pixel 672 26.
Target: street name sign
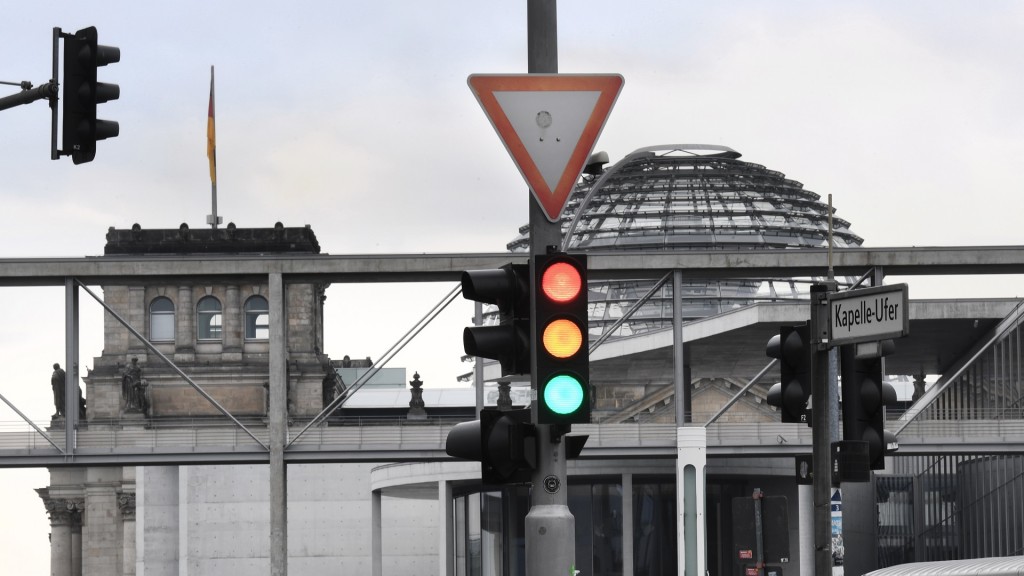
pixel 868 314
pixel 549 124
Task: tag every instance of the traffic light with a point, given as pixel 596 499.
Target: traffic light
pixel 562 369
pixel 865 395
pixel 505 444
pixel 82 56
pixel 508 342
pixel 792 347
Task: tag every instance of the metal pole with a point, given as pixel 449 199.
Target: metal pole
pixel 70 365
pixel 54 153
pixel 31 423
pixel 678 358
pixel 550 527
pixel 821 416
pixel 478 364
pixel 213 180
pixel 48 90
pixel 278 428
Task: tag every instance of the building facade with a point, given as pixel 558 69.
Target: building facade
pixel 436 518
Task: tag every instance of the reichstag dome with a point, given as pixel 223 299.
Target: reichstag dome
pixel 690 197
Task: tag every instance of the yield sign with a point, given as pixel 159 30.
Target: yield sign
pixel 549 124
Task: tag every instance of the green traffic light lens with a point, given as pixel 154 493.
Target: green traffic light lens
pixel 563 394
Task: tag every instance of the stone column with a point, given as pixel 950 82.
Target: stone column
pixel 126 505
pixel 136 317
pixel 102 530
pixel 185 329
pixel 232 325
pixel 65 519
pixel 76 549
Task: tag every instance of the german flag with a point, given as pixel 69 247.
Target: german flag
pixel 211 136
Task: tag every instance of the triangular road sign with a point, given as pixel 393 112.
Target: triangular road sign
pixel 549 124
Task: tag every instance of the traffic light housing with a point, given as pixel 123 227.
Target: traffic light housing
pixel 508 342
pixel 562 357
pixel 792 347
pixel 82 92
pixel 504 442
pixel 865 395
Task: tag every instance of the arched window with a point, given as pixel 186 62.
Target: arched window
pixel 209 319
pixel 257 318
pixel 161 319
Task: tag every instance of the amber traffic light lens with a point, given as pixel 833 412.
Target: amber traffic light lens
pixel 561 282
pixel 562 338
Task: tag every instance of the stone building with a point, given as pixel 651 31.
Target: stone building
pixel 216 332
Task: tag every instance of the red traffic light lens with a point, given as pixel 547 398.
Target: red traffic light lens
pixel 561 282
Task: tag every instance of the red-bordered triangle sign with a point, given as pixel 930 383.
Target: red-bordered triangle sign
pixel 549 124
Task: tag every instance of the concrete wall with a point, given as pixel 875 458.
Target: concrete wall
pixel 215 520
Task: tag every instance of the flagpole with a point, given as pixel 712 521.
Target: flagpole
pixel 211 153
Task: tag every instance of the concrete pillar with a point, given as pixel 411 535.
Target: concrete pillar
pixel 277 427
pixel 805 528
pixel 376 534
pixel 445 528
pixel 691 500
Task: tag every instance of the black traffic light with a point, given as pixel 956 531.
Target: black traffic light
pixel 505 444
pixel 562 368
pixel 508 342
pixel 865 395
pixel 792 347
pixel 82 56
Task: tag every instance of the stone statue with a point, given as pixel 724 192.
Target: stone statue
pixel 131 385
pixel 57 382
pixel 417 407
pixel 140 396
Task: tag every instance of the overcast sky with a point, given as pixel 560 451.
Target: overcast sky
pixel 355 118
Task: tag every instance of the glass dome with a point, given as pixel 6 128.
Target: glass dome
pixel 690 197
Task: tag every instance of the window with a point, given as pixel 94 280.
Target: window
pixel 257 318
pixel 161 319
pixel 209 318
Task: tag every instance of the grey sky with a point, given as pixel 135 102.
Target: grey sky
pixel 355 118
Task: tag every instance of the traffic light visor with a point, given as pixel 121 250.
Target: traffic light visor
pixel 562 338
pixel 561 282
pixel 563 394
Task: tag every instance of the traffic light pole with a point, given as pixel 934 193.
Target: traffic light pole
pixel 822 397
pixel 550 527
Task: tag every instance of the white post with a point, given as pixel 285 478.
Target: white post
pixel 805 505
pixel 691 498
